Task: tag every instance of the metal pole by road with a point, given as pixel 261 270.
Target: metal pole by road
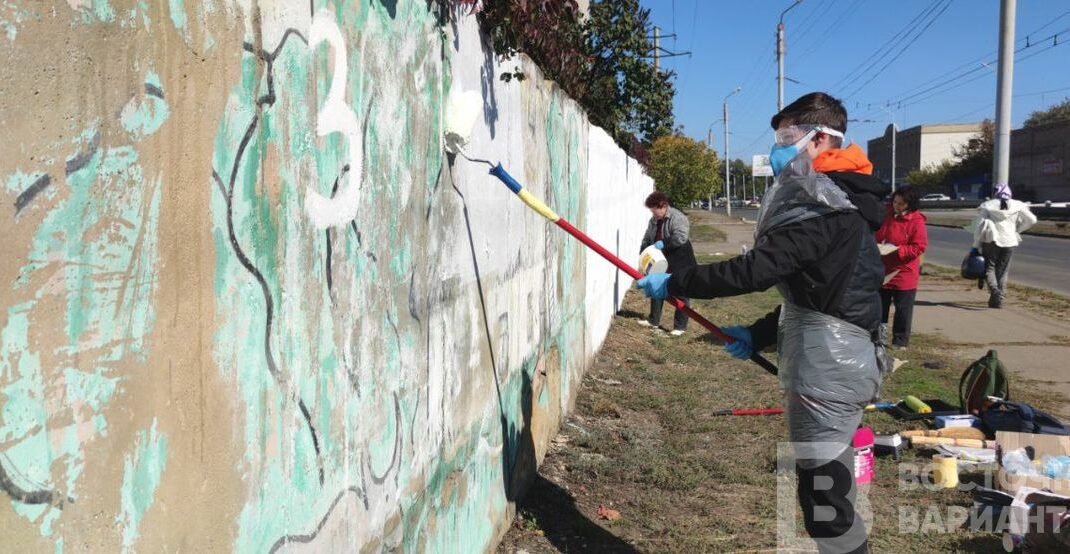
pixel 1001 156
pixel 727 181
pixel 709 144
pixel 895 133
pixel 780 57
pixel 657 47
pixel 727 163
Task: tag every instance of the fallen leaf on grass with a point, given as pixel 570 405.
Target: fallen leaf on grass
pixel 608 514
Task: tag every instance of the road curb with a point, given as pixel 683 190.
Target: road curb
pixel 1046 235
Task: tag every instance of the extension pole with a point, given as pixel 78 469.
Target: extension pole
pixel 1004 87
pixel 545 211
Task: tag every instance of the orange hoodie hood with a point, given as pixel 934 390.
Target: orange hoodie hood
pixel 851 159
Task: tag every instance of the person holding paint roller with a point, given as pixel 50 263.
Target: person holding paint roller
pixel 668 231
pixel 814 242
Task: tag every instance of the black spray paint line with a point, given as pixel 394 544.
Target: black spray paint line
pixel 269 58
pixel 329 235
pixel 31 192
pixel 74 164
pixel 19 494
pixel 309 537
pixel 81 160
pixel 395 457
pixel 259 277
pixel 153 90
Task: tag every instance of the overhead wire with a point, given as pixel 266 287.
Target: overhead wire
pixel 904 48
pixel 860 69
pixel 956 81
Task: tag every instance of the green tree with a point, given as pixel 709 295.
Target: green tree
pixel 684 169
pixel 932 178
pixel 975 157
pixel 625 93
pixel 1058 112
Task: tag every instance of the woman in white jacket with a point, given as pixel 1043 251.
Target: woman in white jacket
pixel 997 231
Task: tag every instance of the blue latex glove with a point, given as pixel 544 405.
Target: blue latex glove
pixel 974 252
pixel 655 285
pixel 743 348
pixel 659 245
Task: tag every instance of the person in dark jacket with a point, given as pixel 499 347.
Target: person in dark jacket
pixel 669 230
pixel 902 239
pixel 815 243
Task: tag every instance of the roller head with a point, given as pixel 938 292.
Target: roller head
pixel 462 108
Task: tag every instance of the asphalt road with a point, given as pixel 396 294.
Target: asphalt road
pixel 1039 261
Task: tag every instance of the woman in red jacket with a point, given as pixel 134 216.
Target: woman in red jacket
pixel 902 239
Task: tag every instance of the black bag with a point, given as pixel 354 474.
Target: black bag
pixel 973 266
pixel 1020 418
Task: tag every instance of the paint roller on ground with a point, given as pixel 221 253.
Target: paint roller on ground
pixel 462 109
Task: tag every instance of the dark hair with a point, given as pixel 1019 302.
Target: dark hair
pixel 1003 204
pixel 816 108
pixel 910 196
pixel 656 199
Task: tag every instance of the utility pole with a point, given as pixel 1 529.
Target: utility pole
pixel 727 163
pixel 727 180
pixel 780 57
pixel 709 144
pixel 1004 86
pixel 657 47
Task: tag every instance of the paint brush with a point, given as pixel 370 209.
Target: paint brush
pixel 463 107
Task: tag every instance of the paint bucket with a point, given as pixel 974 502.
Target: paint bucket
pixel 864 460
pixel 945 471
pixel 652 260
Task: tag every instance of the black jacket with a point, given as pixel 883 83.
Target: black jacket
pixel 676 236
pixel 830 264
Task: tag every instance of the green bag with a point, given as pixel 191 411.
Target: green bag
pixel 985 377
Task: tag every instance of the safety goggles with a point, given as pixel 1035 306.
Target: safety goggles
pixel 795 134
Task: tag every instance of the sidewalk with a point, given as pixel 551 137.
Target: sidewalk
pixel 1034 346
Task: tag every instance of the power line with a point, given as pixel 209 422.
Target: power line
pixel 805 32
pixel 900 101
pixel 901 50
pixel 830 29
pixel 859 70
pixel 974 63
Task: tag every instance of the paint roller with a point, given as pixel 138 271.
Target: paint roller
pixel 462 109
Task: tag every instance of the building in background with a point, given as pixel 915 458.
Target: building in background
pixel 1039 159
pixel 917 147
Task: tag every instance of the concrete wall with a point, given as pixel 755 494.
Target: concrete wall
pixel 1040 162
pixel 249 304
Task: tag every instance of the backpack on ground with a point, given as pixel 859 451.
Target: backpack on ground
pixel 985 377
pixel 1020 417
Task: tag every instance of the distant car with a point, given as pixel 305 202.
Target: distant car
pixel 935 197
pixel 754 203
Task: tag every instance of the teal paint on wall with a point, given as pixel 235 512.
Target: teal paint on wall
pixel 94 253
pixel 142 471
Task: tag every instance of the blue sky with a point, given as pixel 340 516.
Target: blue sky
pixel 733 44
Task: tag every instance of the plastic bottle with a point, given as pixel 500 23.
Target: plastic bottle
pixel 1057 467
pixel 1017 462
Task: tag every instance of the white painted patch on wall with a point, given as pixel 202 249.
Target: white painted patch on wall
pixel 336 116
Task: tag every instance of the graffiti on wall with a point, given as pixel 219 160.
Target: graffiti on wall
pixel 384 364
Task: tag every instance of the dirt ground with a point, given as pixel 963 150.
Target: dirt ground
pixel 644 444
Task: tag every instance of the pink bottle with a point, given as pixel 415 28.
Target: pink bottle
pixel 863 445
